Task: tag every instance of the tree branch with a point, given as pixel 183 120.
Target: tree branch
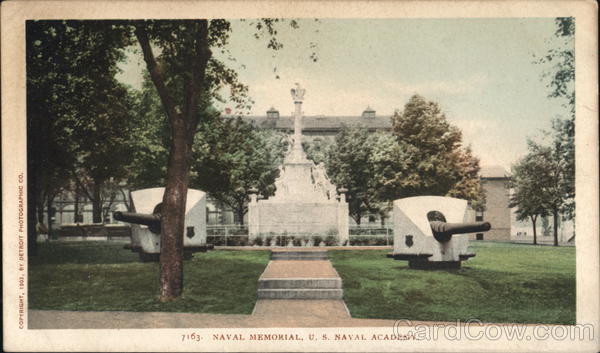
pixel 155 75
pixel 82 187
pixel 203 54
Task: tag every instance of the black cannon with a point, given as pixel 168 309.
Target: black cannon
pixel 443 231
pixel 150 220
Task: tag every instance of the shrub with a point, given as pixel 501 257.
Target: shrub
pixel 303 239
pixel 317 239
pixel 268 240
pixel 368 240
pixel 237 240
pixel 240 231
pixel 380 241
pixel 53 234
pixel 297 241
pixel 216 241
pixel 258 241
pixel 331 240
pixel 283 240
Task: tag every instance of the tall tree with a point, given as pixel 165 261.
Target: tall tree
pixel 105 141
pixel 549 189
pixel 185 75
pixel 179 71
pixel 348 165
pixel 148 167
pixel 70 87
pixel 434 160
pixel 232 157
pixel 526 196
pixel 560 76
pixel 389 158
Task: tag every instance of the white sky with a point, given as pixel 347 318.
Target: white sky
pixel 480 71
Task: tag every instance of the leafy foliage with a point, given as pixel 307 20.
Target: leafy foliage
pixel 544 180
pixel 561 81
pixel 433 161
pixel 232 157
pixel 422 156
pixel 78 114
pixel 526 185
pixel 349 166
pixel 317 149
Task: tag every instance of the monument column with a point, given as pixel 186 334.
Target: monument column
pixel 253 216
pixel 298 97
pixel 343 224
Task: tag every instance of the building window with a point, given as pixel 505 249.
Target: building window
pixel 479 236
pixel 368 113
pixel 479 216
pixel 272 113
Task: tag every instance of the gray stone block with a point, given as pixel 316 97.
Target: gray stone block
pixel 300 283
pixel 299 255
pixel 300 294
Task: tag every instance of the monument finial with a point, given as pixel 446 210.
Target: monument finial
pixel 298 93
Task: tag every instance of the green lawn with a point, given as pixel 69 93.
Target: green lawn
pixel 503 283
pixel 103 276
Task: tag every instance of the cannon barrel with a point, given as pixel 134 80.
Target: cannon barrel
pixel 150 220
pixel 443 231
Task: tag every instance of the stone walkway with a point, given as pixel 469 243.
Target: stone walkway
pixel 302 284
pixel 300 269
pixel 313 314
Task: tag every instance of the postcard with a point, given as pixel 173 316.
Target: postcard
pixel 300 176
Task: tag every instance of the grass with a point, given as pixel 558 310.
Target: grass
pixel 503 283
pixel 101 276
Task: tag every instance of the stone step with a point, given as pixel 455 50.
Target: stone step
pixel 299 255
pixel 300 283
pixel 300 293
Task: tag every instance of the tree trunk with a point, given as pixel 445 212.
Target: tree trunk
pixel 33 210
pixel 173 216
pixel 97 202
pixel 240 214
pixel 40 210
pixel 533 220
pixel 76 206
pixel 183 124
pixel 126 200
pixel 382 218
pixel 49 213
pixel 357 217
pixel 555 225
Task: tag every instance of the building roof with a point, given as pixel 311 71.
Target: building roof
pixel 321 122
pixel 493 171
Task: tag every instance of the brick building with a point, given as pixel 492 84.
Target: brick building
pixel 494 180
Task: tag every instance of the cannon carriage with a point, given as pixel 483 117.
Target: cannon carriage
pixel 432 231
pixel 145 223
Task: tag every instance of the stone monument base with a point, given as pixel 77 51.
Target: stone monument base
pixel 299 218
